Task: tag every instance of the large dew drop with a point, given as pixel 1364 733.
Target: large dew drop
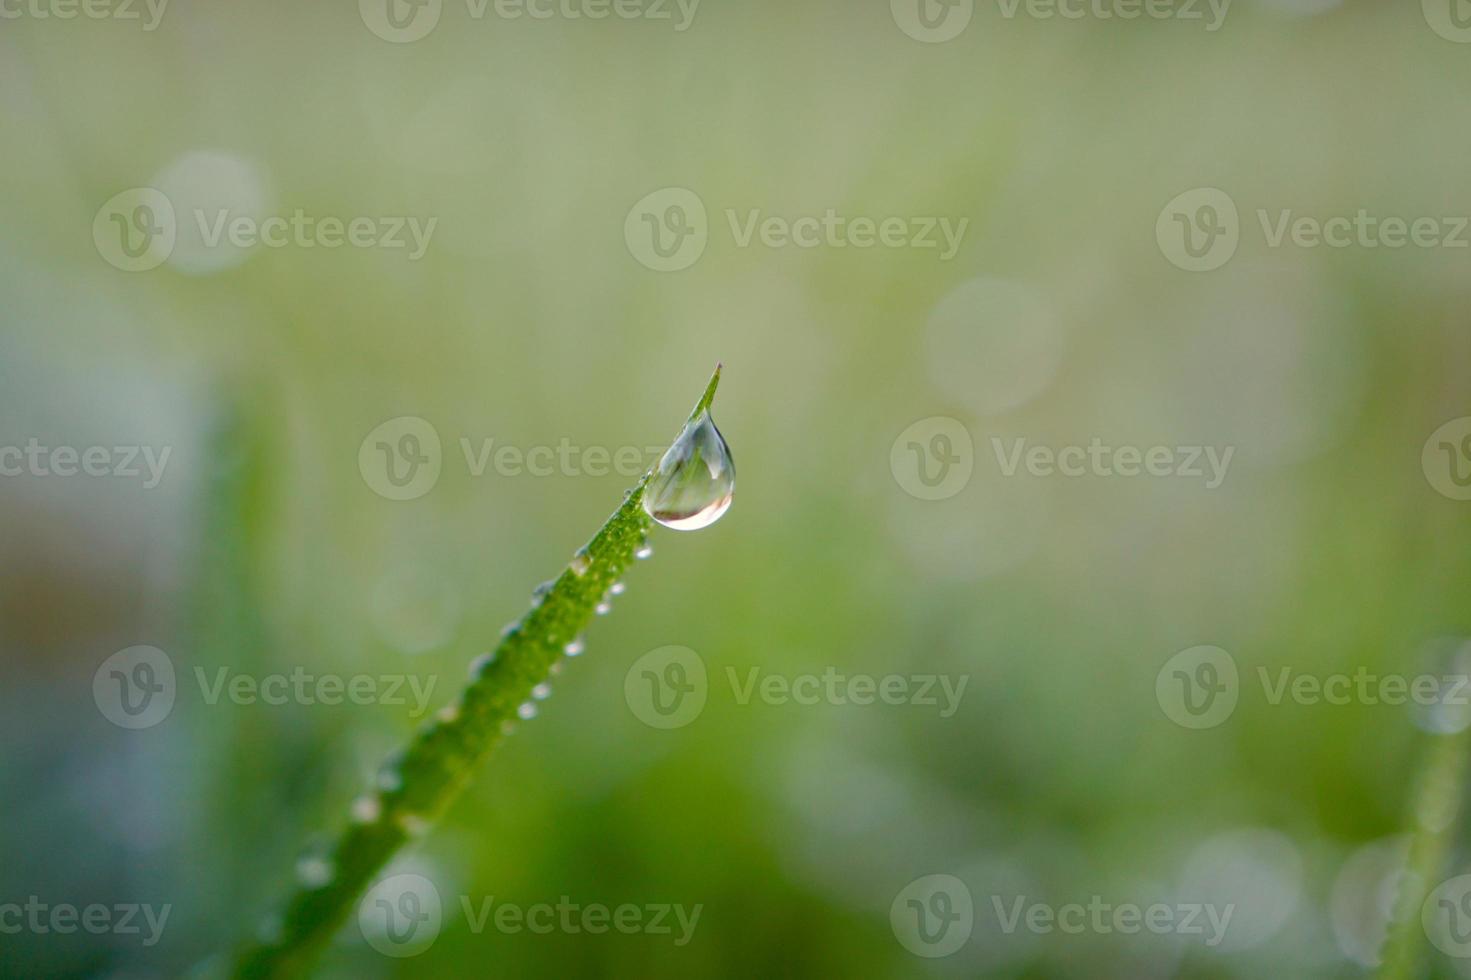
pixel 695 480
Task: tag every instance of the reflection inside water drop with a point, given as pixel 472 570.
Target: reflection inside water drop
pixel 694 482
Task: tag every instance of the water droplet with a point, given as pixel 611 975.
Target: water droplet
pixel 542 691
pixel 413 824
pixel 390 781
pixel 575 648
pixel 478 665
pixel 540 592
pixel 693 484
pixel 512 627
pixel 449 713
pixel 270 930
pixel 645 550
pixel 555 668
pixel 526 711
pixel 366 809
pixel 313 871
pixel 603 608
pixel 617 588
pixel 580 562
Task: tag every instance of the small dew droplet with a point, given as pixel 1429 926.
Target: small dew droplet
pixel 542 691
pixel 540 592
pixel 313 871
pixel 580 563
pixel 575 648
pixel 449 713
pixel 643 551
pixel 603 608
pixel 390 781
pixel 413 824
pixel 555 669
pixel 270 930
pixel 617 588
pixel 478 665
pixel 366 809
pixel 694 483
pixel 526 711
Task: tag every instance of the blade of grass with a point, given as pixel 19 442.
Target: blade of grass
pixel 1436 803
pixel 418 783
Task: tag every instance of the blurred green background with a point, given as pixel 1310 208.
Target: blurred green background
pixel 533 317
